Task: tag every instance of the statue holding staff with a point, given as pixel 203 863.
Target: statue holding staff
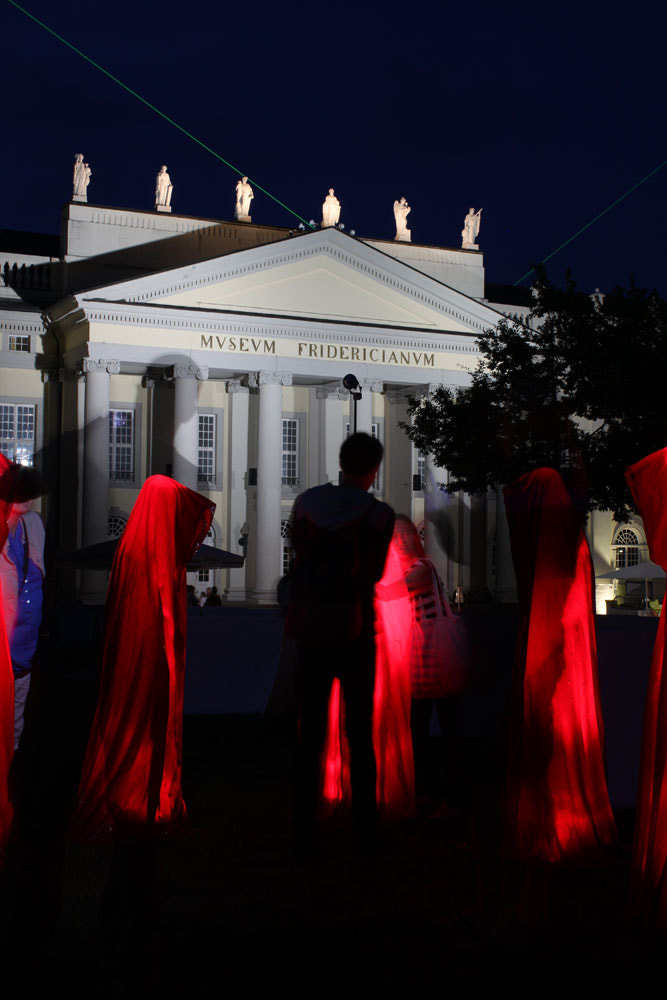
pixel 470 230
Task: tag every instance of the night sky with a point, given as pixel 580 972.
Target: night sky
pixel 541 114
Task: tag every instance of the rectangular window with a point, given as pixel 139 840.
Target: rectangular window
pixel 19 342
pixel 206 449
pixel 627 556
pixel 17 432
pixel 421 469
pixel 121 445
pixel 290 453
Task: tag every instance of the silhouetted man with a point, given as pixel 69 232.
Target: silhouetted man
pixel 340 535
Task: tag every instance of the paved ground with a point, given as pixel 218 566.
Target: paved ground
pixel 235 910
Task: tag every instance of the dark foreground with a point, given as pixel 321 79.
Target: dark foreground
pixel 235 910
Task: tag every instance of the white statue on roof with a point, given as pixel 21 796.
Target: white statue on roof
pixel 163 190
pixel 401 212
pixel 81 179
pixel 470 230
pixel 330 210
pixel 244 195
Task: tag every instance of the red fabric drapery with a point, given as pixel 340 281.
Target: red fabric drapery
pixel 392 739
pixel 131 777
pixel 558 805
pixel 6 691
pixel 648 895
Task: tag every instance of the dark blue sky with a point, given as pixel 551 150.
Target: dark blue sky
pixel 542 115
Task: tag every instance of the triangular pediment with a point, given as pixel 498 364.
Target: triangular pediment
pixel 324 276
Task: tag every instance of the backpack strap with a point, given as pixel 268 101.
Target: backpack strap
pixel 26 556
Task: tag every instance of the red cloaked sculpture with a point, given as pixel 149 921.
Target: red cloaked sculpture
pixel 392 739
pixel 558 804
pixel 131 777
pixel 648 894
pixel 6 691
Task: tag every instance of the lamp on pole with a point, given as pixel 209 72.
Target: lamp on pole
pixel 351 383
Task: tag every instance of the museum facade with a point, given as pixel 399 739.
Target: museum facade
pixel 215 352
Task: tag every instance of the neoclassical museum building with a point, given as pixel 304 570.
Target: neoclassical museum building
pixel 144 342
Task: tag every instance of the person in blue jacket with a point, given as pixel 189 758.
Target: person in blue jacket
pixel 21 578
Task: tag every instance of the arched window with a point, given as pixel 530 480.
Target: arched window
pixel 286 550
pixel 116 522
pixel 627 548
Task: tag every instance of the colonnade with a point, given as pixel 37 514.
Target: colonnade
pixel 325 432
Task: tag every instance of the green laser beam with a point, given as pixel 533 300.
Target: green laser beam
pixel 588 224
pixel 156 110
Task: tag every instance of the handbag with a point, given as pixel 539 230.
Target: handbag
pixel 440 649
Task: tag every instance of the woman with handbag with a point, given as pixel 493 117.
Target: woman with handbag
pixel 438 666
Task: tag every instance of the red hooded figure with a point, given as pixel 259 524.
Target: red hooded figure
pixel 648 483
pixel 131 778
pixel 558 805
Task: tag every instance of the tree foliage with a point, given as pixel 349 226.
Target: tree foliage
pixel 581 389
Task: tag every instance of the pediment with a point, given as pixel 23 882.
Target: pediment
pixel 325 276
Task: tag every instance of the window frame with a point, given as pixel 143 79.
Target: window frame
pixel 16 337
pixel 16 403
pixel 207 481
pixel 286 547
pixel 290 490
pixel 138 446
pixel 623 548
pixel 216 485
pixel 115 447
pixel 292 454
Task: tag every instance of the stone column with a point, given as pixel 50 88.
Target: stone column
pixel 331 433
pixel 237 478
pixel 268 481
pixel 364 408
pixel 95 506
pixel 506 591
pixel 441 506
pixel 148 384
pixel 186 428
pixel 399 456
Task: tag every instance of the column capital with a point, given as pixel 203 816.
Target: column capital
pixel 256 379
pixel 198 372
pixel 233 385
pixel 111 367
pixel 373 384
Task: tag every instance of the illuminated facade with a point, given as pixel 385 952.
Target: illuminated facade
pixel 215 352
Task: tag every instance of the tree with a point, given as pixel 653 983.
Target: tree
pixel 581 389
